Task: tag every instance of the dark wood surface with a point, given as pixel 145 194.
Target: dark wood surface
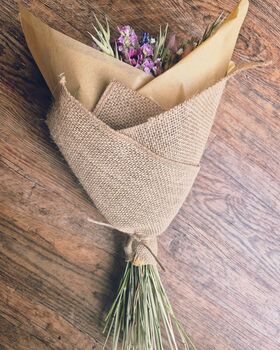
pixel 58 272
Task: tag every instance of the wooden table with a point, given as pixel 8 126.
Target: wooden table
pixel 59 272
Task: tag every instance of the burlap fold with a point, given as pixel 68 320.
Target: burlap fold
pixel 136 161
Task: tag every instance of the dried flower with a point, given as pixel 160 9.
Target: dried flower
pixel 211 29
pixel 103 41
pixel 147 50
pixel 157 69
pixel 172 45
pixel 148 65
pixel 145 38
pixel 153 56
pixel 128 37
pixel 160 43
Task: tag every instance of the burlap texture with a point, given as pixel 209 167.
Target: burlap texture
pixel 136 161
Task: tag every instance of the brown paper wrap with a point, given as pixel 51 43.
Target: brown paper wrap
pixel 89 71
pixel 134 142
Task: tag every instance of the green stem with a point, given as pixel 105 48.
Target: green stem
pixel 141 311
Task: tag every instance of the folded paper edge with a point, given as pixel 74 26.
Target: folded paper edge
pixel 233 71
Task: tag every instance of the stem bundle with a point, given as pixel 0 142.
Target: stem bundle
pixel 141 312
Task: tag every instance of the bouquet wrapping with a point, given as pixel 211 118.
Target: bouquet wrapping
pixel 134 141
pixel 137 161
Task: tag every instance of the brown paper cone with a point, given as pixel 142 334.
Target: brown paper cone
pixel 204 66
pixel 89 71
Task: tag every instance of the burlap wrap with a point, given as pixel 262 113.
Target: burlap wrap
pixel 136 161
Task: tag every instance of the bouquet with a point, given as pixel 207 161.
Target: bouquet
pixel 131 116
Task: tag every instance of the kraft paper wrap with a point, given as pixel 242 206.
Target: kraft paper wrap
pixel 134 141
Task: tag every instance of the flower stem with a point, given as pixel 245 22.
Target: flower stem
pixel 141 312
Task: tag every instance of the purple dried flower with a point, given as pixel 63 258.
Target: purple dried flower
pixel 139 55
pixel 121 41
pixel 148 65
pixel 133 56
pixel 128 37
pixel 147 50
pixel 124 30
pixel 158 69
pixel 132 52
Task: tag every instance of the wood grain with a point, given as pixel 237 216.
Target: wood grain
pixel 58 272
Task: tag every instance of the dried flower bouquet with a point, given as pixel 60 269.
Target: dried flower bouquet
pixel 131 117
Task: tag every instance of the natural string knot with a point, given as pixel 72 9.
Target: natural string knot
pixel 139 249
pixel 142 250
